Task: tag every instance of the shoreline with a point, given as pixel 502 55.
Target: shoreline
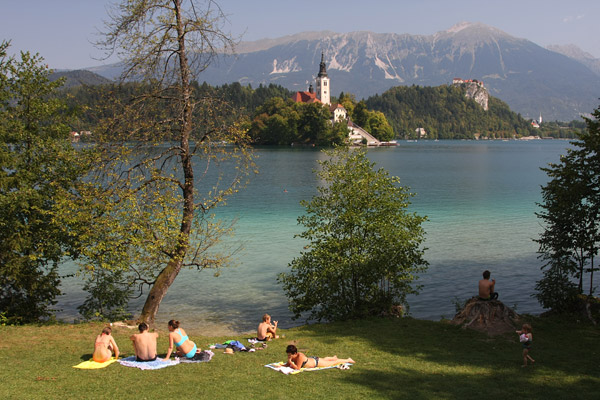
pixel 208 330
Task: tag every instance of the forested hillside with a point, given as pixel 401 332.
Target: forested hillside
pixel 445 113
pixel 93 102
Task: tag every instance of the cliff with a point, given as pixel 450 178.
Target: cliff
pixel 476 91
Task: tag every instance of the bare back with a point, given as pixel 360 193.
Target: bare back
pixel 261 332
pixel 103 348
pixel 485 288
pixel 176 336
pixel 145 345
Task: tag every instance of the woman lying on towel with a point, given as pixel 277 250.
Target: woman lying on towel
pixel 178 337
pixel 298 360
pixel 104 346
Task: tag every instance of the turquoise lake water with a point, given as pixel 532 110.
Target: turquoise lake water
pixel 480 198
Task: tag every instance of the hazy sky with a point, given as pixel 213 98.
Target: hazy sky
pixel 62 30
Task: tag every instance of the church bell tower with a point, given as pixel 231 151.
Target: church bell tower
pixel 323 89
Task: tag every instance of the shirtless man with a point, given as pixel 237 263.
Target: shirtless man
pixel 104 346
pixel 144 344
pixel 486 287
pixel 266 330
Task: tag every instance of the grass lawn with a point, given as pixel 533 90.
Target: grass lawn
pixel 395 359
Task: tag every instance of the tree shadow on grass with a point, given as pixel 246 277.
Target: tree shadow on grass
pixel 406 383
pixel 408 358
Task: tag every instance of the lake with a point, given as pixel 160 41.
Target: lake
pixel 479 196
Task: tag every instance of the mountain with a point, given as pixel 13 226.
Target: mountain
pixel 530 78
pixel 79 77
pixel 574 52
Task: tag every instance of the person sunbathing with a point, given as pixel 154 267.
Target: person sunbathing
pixel 104 346
pixel 267 330
pixel 144 344
pixel 184 346
pixel 297 360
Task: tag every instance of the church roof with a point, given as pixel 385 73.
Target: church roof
pixel 322 70
pixel 305 97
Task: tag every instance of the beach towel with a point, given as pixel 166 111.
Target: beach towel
pixel 156 364
pixel 91 364
pixel 203 356
pixel 279 366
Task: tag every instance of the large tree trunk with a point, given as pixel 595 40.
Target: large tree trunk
pixel 159 290
pixel 167 276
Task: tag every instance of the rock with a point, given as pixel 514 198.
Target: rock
pixel 491 317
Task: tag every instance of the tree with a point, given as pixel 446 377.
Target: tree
pixel 39 175
pixel 571 216
pixel 313 125
pixel 364 248
pixel 163 192
pixel 379 126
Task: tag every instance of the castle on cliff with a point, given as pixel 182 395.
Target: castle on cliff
pixel 475 90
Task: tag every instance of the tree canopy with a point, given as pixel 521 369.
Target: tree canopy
pixel 570 212
pixel 445 113
pixel 364 248
pixel 171 153
pixel 39 179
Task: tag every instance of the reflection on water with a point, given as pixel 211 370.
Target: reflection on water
pixel 480 198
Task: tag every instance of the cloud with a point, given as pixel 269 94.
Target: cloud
pixel 571 18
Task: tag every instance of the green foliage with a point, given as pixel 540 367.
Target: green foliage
pixel 244 97
pixel 4 320
pixel 373 122
pixel 109 293
pixel 92 104
pixel 560 130
pixel 571 216
pixel 445 113
pixel 556 290
pixel 364 248
pixel 284 122
pixel 171 151
pixel 39 177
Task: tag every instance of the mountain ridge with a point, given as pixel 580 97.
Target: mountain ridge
pixel 530 78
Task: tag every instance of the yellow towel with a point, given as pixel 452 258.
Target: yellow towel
pixel 91 364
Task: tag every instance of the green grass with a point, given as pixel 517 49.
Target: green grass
pixel 395 359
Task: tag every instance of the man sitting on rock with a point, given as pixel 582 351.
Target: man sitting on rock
pixel 486 287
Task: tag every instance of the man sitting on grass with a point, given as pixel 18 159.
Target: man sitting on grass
pixel 266 330
pixel 144 344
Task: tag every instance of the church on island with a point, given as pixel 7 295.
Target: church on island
pixel 356 134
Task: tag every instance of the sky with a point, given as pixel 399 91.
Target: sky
pixel 63 31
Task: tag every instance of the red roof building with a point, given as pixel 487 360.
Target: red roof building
pixel 306 97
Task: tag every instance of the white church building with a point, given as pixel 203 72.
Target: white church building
pixel 323 95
